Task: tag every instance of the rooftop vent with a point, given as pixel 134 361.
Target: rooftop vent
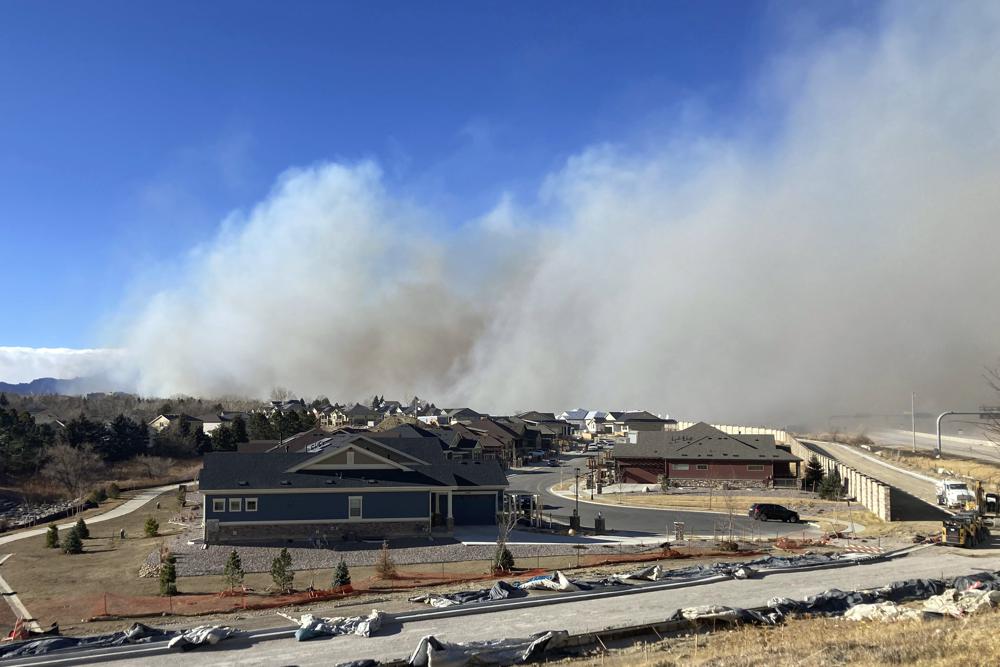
pixel 285 482
pixel 243 482
pixel 329 481
pixel 373 481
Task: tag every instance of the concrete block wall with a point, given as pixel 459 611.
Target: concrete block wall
pixel 867 491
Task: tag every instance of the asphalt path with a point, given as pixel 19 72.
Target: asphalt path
pixel 631 520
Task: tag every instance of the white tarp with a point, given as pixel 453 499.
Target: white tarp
pixel 953 603
pixel 315 626
pixel 881 611
pixel 203 634
pixel 557 582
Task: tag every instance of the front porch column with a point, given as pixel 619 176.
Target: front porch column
pixel 451 514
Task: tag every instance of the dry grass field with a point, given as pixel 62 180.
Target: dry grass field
pixel 820 643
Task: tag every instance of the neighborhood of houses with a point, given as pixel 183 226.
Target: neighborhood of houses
pixel 393 470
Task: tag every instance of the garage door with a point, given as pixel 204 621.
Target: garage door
pixel 475 510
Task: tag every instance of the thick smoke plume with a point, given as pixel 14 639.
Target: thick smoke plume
pixel 835 264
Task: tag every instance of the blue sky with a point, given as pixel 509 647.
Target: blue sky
pixel 128 130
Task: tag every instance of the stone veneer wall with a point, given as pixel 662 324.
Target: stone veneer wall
pixel 264 533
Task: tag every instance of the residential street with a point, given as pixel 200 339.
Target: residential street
pixel 638 521
pixel 956 445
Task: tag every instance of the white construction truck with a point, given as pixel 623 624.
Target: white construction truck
pixel 952 493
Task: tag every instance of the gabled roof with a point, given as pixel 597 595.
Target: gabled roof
pixel 702 442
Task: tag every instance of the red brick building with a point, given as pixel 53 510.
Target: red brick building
pixel 702 455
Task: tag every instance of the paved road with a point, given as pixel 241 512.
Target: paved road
pixel 584 616
pixel 634 520
pixel 956 445
pixel 913 495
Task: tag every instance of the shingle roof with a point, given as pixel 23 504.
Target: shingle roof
pixel 232 470
pixel 703 442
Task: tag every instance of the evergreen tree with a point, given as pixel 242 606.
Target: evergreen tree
pixel 831 487
pixel 152 527
pixel 259 427
pixel 814 473
pixel 168 576
pixel 81 529
pixel 233 572
pixel 125 438
pixel 71 543
pixel 342 575
pixel 240 429
pixel 52 537
pixel 223 439
pixel 281 572
pixel 385 566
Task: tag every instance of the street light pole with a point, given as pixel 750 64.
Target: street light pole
pixel 913 419
pixel 576 476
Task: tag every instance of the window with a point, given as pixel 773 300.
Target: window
pixel 354 507
pixel 680 466
pixel 250 505
pixel 218 504
pixel 235 504
pixel 752 467
pixel 702 466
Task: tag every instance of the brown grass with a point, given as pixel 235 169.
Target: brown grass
pixel 715 502
pixel 821 643
pixel 988 473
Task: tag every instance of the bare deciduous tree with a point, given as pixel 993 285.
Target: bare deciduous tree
pixel 73 469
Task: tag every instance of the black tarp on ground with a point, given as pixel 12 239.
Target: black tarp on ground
pixel 981 580
pixel 432 651
pixel 501 591
pixel 137 634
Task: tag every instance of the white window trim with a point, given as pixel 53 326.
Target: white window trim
pixel 237 503
pixel 216 502
pixel 701 466
pixel 681 466
pixel 361 508
pixel 246 504
pixel 756 467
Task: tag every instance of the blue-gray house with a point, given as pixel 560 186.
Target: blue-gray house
pixel 366 487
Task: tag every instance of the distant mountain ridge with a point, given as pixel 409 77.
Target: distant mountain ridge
pixel 70 387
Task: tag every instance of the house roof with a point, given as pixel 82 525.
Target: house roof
pixel 232 470
pixel 703 442
pixel 640 416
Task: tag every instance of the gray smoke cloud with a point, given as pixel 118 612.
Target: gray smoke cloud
pixel 834 266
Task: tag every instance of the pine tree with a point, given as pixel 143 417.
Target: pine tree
pixel 233 571
pixel 81 529
pixel 503 560
pixel 342 575
pixel 52 537
pixel 71 543
pixel 152 527
pixel 814 473
pixel 281 572
pixel 168 576
pixel 832 487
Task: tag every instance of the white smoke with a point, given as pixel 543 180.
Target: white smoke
pixel 836 266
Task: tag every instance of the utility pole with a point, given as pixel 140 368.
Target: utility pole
pixel 913 418
pixel 576 485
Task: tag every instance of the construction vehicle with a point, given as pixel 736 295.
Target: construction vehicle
pixel 965 529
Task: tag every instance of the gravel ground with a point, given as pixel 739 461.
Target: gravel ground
pixel 194 559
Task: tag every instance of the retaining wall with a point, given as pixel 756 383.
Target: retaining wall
pixel 867 491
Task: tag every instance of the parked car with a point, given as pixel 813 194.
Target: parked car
pixel 553 463
pixel 766 512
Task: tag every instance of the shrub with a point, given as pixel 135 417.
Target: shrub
pixel 81 529
pixel 233 572
pixel 97 496
pixel 52 537
pixel 342 575
pixel 181 496
pixel 71 543
pixel 282 573
pixel 152 527
pixel 503 560
pixel 168 576
pixel 113 491
pixel 384 566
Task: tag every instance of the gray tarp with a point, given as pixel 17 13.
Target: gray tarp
pixel 431 652
pixel 136 634
pixel 501 591
pixel 203 634
pixel 315 626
